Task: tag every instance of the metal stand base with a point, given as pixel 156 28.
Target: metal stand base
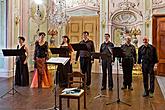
pixel 118 102
pixel 12 91
pixel 53 108
pixel 55 104
pixel 100 95
pixel 55 94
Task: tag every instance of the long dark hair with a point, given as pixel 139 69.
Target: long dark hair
pixel 68 40
pixel 42 33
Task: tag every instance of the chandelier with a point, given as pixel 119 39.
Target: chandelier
pixel 57 16
pixel 135 31
pixel 38 13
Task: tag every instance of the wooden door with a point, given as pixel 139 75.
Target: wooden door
pixel 91 24
pixel 74 29
pixel 159 42
pixel 77 25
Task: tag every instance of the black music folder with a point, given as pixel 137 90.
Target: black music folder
pixel 97 55
pixel 117 52
pixel 12 52
pixel 59 50
pixel 79 46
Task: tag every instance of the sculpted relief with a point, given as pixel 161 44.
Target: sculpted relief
pixel 158 6
pixel 124 18
pixel 125 15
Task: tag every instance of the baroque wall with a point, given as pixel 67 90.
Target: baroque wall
pixel 158 6
pixel 125 15
pixel 115 17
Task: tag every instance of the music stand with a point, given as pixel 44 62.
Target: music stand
pixel 12 52
pixel 78 46
pixel 99 56
pixel 59 50
pixel 57 61
pixel 118 53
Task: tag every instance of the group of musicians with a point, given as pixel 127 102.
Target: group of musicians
pixel 147 57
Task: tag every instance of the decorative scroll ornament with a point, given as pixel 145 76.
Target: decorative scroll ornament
pixel 38 13
pixel 126 5
pixel 124 18
pixel 17 16
pixel 77 3
pixel 156 2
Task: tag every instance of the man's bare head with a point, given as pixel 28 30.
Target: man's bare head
pixel 128 39
pixel 145 40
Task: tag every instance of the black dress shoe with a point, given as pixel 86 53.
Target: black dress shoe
pixel 110 88
pixel 130 88
pixel 124 87
pixel 103 88
pixel 151 94
pixel 145 94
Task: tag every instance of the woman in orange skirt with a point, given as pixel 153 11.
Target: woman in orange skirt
pixel 41 78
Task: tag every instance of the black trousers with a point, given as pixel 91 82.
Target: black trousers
pixel 106 65
pixel 127 65
pixel 86 65
pixel 147 69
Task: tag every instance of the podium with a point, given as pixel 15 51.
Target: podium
pixel 57 61
pixel 61 52
pixel 12 53
pixel 118 53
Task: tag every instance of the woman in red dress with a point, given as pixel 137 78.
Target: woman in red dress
pixel 41 77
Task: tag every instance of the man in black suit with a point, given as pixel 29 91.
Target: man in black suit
pixel 147 55
pixel 106 48
pixel 85 57
pixel 128 61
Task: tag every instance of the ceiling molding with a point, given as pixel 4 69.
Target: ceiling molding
pixel 92 8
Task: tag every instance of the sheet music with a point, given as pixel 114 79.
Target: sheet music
pixel 68 89
pixel 58 60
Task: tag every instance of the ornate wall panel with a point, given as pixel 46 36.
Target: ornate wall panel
pixel 74 27
pixel 158 6
pixel 82 7
pixel 125 15
pixel 77 3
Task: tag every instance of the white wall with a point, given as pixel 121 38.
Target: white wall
pixel 5 66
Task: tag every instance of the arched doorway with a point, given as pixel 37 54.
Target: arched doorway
pixel 122 21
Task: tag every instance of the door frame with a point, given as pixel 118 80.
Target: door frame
pixel 155 35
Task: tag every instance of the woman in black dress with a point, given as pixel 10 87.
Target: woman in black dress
pixel 22 73
pixel 67 68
